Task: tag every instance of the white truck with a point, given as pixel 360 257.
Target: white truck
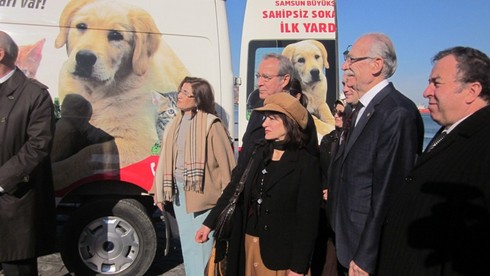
pixel 113 67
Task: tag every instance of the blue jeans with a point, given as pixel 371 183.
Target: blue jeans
pixel 196 255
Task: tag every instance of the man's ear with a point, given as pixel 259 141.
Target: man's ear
pixel 6 60
pixel 377 66
pixel 286 79
pixel 473 91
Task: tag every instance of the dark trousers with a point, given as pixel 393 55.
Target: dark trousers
pixel 324 261
pixel 343 271
pixel 26 267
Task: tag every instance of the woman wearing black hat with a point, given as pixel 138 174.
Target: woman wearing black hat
pixel 277 212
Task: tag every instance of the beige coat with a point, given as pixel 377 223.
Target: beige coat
pixel 220 161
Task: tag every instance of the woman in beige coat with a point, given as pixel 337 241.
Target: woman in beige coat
pixel 194 167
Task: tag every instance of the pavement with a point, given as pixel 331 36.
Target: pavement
pixel 52 265
pixel 170 265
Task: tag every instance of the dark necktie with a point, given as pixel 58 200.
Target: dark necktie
pixel 350 122
pixel 436 140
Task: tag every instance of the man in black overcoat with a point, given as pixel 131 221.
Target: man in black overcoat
pixel 439 222
pixel 27 221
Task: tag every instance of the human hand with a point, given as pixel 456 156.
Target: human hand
pixel 158 204
pixel 355 270
pixel 292 273
pixel 202 234
pixel 325 194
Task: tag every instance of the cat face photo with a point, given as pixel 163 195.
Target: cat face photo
pixel 30 57
pixel 166 104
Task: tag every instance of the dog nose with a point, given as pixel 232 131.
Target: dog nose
pixel 85 59
pixel 85 63
pixel 315 74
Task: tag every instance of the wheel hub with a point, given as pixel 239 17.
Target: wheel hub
pixel 108 245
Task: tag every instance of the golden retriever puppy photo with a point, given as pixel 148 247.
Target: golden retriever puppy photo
pixel 116 58
pixel 310 59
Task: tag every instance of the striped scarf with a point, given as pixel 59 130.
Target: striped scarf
pixel 194 155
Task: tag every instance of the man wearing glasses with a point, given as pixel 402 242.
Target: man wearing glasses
pixel 383 139
pixel 273 76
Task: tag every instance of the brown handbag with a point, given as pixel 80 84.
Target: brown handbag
pixel 215 269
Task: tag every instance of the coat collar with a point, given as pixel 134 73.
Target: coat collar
pixel 10 92
pixel 289 162
pixel 366 115
pixel 463 131
pixel 11 85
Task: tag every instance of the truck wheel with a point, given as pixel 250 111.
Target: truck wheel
pixel 109 237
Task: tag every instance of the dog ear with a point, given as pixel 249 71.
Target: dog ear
pixel 322 48
pixel 146 40
pixel 288 51
pixel 65 19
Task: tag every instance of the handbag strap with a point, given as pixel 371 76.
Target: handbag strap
pixel 241 184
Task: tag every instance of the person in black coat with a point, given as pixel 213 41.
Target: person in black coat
pixel 325 259
pixel 439 220
pixel 27 206
pixel 273 76
pixel 330 142
pixel 278 209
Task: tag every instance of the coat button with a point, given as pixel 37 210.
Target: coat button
pixel 267 211
pixel 408 179
pixel 266 227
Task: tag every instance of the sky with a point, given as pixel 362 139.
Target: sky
pixel 418 29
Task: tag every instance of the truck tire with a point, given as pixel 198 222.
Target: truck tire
pixel 109 237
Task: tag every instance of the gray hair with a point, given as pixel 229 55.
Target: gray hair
pixel 383 47
pixel 285 66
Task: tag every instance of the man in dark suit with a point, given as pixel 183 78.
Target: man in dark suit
pixel 273 76
pixel 27 221
pixel 439 223
pixel 379 147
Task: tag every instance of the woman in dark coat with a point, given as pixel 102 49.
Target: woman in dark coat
pixel 276 227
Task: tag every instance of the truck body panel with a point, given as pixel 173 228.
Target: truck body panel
pixel 113 69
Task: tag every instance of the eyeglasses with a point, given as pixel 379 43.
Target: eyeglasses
pixel 351 60
pixel 338 112
pixel 267 77
pixel 187 94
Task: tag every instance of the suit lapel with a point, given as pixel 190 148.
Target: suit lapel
pixel 446 142
pixel 366 115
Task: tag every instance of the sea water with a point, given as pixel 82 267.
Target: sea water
pixel 430 127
